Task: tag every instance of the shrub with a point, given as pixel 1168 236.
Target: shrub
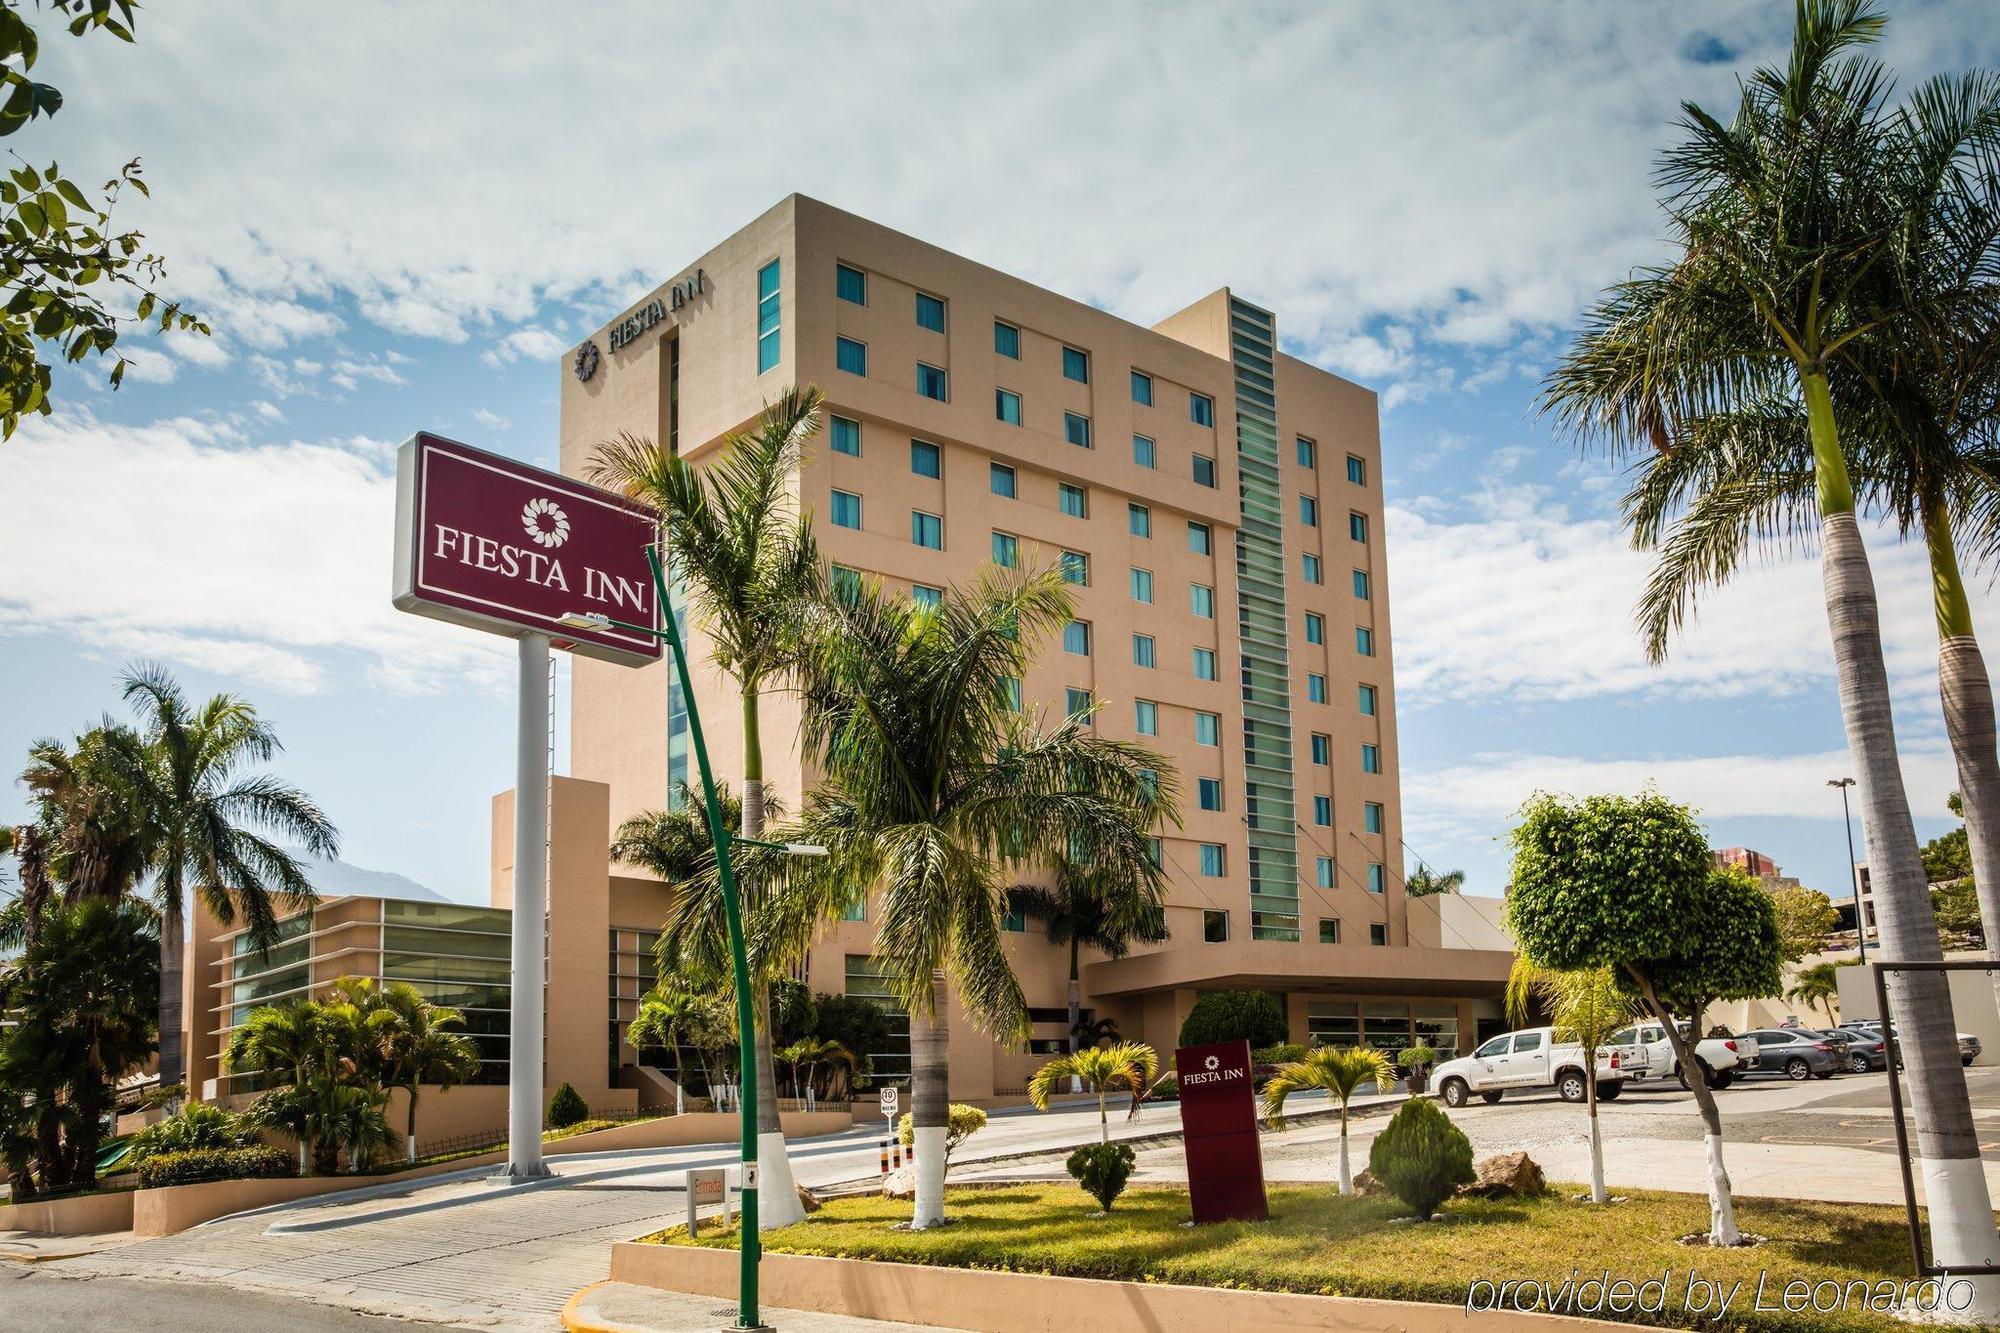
pixel 1284 1053
pixel 259 1162
pixel 1168 1089
pixel 196 1127
pixel 567 1108
pixel 961 1123
pixel 1421 1157
pixel 1102 1169
pixel 1232 1015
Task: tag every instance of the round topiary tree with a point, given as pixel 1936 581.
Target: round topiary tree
pixel 1102 1169
pixel 1421 1157
pixel 1627 883
pixel 1231 1015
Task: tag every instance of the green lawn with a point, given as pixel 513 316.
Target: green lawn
pixel 1317 1242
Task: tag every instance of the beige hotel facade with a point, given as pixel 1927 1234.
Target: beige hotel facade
pixel 1218 505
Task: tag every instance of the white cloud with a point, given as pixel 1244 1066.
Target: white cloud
pixel 531 343
pixel 271 562
pixel 1458 172
pixel 268 411
pixel 490 420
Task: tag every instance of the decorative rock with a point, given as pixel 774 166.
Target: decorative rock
pixel 1365 1183
pixel 1511 1173
pixel 900 1183
pixel 807 1199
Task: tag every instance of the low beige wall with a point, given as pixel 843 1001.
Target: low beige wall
pixel 83 1215
pixel 1030 1303
pixel 162 1212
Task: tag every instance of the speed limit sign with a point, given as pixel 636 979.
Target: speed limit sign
pixel 890 1098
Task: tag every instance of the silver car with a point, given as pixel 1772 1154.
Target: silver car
pixel 1797 1053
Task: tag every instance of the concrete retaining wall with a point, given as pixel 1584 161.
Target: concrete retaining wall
pixel 81 1215
pixel 1030 1303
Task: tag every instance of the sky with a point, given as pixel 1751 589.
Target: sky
pixel 400 216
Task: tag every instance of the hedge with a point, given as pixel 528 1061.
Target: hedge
pixel 259 1162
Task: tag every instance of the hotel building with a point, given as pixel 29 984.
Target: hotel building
pixel 1218 506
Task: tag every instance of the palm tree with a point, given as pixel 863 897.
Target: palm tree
pixel 419 1046
pixel 747 557
pixel 932 781
pixel 1102 1069
pixel 1424 882
pixel 207 825
pixel 1787 222
pixel 1820 985
pixel 1080 912
pixel 812 1053
pixel 1585 1007
pixel 1338 1072
pixel 667 1016
pixel 283 1041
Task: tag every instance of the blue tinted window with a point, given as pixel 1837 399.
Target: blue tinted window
pixel 931 382
pixel 1139 520
pixel 1072 499
pixel 767 316
pixel 1204 470
pixel 1361 584
pixel 1322 748
pixel 1142 585
pixel 1201 600
pixel 927 530
pixel 1076 638
pixel 1308 453
pixel 1368 701
pixel 1323 811
pixel 1357 471
pixel 1200 541
pixel 1006 340
pixel 1204 664
pixel 1315 628
pixel 851 284
pixel 1308 511
pixel 1211 859
pixel 1207 729
pixel 1357 527
pixel 925 460
pixel 925 595
pixel 1076 568
pixel 1076 429
pixel 1311 568
pixel 1007 406
pixel 1142 650
pixel 1142 451
pixel 1371 817
pixel 1076 365
pixel 1211 793
pixel 1006 551
pixel 1142 388
pixel 1371 759
pixel 1001 479
pixel 1364 641
pixel 1316 688
pixel 1201 409
pixel 846 437
pixel 846 509
pixel 1146 717
pixel 850 356
pixel 930 312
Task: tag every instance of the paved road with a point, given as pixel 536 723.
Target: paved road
pixel 34 1300
pixel 477 1253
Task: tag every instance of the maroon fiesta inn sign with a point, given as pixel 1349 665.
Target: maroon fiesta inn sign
pixel 493 544
pixel 1225 1164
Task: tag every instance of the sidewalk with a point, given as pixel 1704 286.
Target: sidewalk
pixel 620 1307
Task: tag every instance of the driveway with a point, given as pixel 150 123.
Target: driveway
pixel 470 1252
pixel 1833 1139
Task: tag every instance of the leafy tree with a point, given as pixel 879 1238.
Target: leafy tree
pixel 80 1004
pixel 209 825
pixel 1805 918
pixel 673 1015
pixel 856 1022
pixel 1961 924
pixel 1584 1007
pixel 66 271
pixel 747 558
pixel 197 1126
pixel 1818 239
pixel 1820 985
pixel 1130 1065
pixel 1082 912
pixel 416 1042
pixel 1423 882
pixel 1254 1016
pixel 1626 883
pixel 1337 1072
pixel 1421 1157
pixel 933 782
pixel 813 1054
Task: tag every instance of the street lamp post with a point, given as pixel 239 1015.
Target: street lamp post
pixel 751 1248
pixel 1853 875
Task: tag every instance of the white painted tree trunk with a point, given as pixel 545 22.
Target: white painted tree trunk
pixel 1967 696
pixel 777 1194
pixel 1961 1212
pixel 1346 1171
pixel 1721 1202
pixel 930 1110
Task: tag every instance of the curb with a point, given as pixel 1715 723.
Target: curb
pixel 577 1321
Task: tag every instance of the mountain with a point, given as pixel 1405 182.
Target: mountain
pixel 333 878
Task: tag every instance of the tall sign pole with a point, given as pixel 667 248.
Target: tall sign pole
pixel 492 544
pixel 528 970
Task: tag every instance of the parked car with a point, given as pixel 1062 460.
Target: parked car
pixel 1532 1060
pixel 1969 1046
pixel 1722 1056
pixel 1797 1053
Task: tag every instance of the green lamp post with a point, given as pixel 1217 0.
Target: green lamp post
pixel 739 958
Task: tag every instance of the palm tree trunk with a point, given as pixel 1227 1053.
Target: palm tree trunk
pixel 777 1194
pixel 1075 1011
pixel 173 962
pixel 1346 1171
pixel 1967 696
pixel 1598 1194
pixel 1103 1118
pixel 410 1139
pixel 930 1109
pixel 1961 1209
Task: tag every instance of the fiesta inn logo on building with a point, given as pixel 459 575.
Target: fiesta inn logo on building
pixel 547 525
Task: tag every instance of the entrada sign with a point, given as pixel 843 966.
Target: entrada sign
pixel 493 544
pixel 651 313
pixel 1225 1162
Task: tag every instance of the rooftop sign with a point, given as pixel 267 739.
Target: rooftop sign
pixel 493 544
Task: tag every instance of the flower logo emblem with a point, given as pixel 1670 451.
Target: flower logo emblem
pixel 545 521
pixel 1213 1062
pixel 586 361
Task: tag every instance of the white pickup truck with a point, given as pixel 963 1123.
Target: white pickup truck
pixel 1723 1057
pixel 1532 1060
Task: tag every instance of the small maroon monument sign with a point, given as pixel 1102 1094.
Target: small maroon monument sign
pixel 1225 1164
